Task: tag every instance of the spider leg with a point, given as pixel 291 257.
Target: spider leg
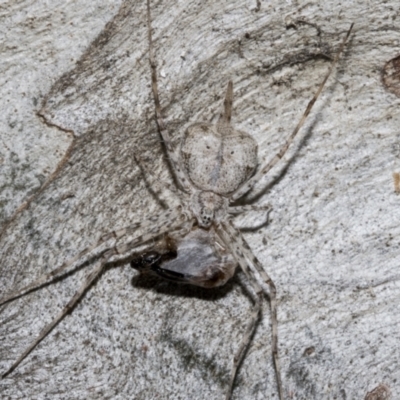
pixel 45 331
pixel 256 297
pixel 154 185
pixel 244 251
pixel 160 224
pixel 176 162
pixel 243 209
pixel 242 190
pixel 176 223
pixel 92 276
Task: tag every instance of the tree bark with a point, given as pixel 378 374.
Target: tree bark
pixel 331 244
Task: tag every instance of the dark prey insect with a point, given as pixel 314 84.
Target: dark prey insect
pixel 215 166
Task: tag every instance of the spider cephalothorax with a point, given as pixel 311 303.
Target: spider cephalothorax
pixel 208 208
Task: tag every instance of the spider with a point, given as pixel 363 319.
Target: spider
pixel 198 243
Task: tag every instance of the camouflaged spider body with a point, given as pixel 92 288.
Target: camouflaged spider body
pixel 197 243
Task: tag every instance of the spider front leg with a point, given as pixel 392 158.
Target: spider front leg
pixel 45 331
pixel 172 222
pixel 244 251
pixel 249 264
pixel 256 296
pixel 160 223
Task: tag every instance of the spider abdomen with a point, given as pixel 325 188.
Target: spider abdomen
pixel 218 160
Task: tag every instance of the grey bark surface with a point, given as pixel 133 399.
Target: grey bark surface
pixel 331 244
